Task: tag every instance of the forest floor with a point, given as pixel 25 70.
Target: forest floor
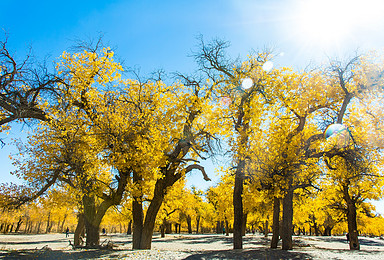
pixel 185 246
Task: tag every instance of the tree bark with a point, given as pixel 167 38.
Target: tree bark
pixel 352 222
pixel 168 227
pixel 287 220
pixel 129 229
pixel 197 224
pixel 93 214
pixel 238 207
pixel 276 222
pixel 162 228
pixel 150 218
pixel 80 230
pixel 244 224
pixel 91 225
pixel 189 223
pixel 137 214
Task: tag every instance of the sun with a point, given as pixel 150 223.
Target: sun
pixel 332 21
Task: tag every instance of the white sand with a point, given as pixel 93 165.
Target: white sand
pixel 185 246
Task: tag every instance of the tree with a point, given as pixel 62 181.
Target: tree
pixel 24 85
pixel 65 149
pixel 221 198
pixel 353 162
pixel 241 115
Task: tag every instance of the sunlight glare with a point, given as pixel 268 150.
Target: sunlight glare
pixel 328 21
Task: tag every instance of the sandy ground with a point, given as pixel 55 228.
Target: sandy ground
pixel 56 246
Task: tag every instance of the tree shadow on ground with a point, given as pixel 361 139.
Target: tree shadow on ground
pixel 250 254
pixel 37 242
pixel 57 254
pixel 212 239
pixel 362 241
pixel 368 242
pixel 330 239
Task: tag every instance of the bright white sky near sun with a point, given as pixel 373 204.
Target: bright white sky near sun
pixel 162 34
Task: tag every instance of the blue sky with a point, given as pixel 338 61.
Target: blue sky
pixel 162 34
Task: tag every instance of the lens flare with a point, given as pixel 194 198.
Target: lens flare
pixel 246 83
pixel 338 135
pixel 267 66
pixel 225 101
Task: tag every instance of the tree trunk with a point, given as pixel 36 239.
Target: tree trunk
pixel 47 229
pixel 162 228
pixel 226 227
pixel 153 209
pixel 91 225
pixel 38 227
pixel 137 213
pixel 62 223
pixel 18 225
pixel 93 235
pixel 189 223
pixel 276 222
pixel 138 219
pixel 197 224
pixel 80 230
pixel 218 229
pixel 129 229
pixel 352 227
pixel 266 228
pixel 287 220
pixel 238 208
pixel 244 225
pixel 93 215
pixel 168 227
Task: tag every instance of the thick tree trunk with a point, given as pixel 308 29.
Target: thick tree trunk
pixel 129 229
pixel 244 225
pixel 168 228
pixel 162 228
pixel 287 220
pixel 150 218
pixel 238 208
pixel 91 225
pixel 93 235
pixel 352 227
pixel 218 229
pixel 80 230
pixel 138 218
pixel 329 223
pixel 189 223
pixel 351 219
pixel 93 214
pixel 137 212
pixel 276 222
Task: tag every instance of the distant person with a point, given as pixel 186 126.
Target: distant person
pixel 104 231
pixel 223 230
pixel 67 232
